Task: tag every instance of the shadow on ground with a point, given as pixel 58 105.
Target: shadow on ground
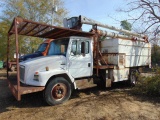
pixel 7 100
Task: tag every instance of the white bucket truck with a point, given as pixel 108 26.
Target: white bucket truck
pixel 111 59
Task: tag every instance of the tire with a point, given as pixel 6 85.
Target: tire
pixel 57 91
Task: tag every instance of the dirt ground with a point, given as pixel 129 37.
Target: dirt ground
pixel 87 104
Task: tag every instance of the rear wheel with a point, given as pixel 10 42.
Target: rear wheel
pixel 57 91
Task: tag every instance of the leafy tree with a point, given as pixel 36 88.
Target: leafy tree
pixel 155 54
pixel 3 40
pixel 126 25
pixel 40 11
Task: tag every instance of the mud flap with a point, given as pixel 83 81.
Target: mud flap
pixel 108 82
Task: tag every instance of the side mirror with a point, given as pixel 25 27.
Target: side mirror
pixel 83 48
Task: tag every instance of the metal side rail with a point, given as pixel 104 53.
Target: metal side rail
pixel 104 66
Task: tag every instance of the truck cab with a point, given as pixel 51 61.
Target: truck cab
pixel 68 58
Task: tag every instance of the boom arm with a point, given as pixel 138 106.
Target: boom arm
pixel 77 22
pixel 85 20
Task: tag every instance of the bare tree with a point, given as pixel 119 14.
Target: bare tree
pixel 146 12
pixel 145 18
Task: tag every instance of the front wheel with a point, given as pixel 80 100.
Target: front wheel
pixel 57 91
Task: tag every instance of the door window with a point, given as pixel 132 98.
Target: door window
pixel 77 46
pixel 86 47
pixel 74 48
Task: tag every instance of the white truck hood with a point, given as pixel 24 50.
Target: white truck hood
pixel 40 63
pixel 29 67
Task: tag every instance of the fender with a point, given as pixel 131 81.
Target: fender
pixel 44 77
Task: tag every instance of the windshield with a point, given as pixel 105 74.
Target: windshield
pixel 58 47
pixel 42 47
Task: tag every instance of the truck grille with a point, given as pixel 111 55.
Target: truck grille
pixel 22 72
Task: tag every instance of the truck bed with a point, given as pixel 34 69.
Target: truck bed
pixel 127 53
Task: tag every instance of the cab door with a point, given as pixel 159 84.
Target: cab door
pixel 80 58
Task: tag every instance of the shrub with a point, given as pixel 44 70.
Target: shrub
pixel 149 85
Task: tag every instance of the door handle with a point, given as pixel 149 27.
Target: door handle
pixel 89 64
